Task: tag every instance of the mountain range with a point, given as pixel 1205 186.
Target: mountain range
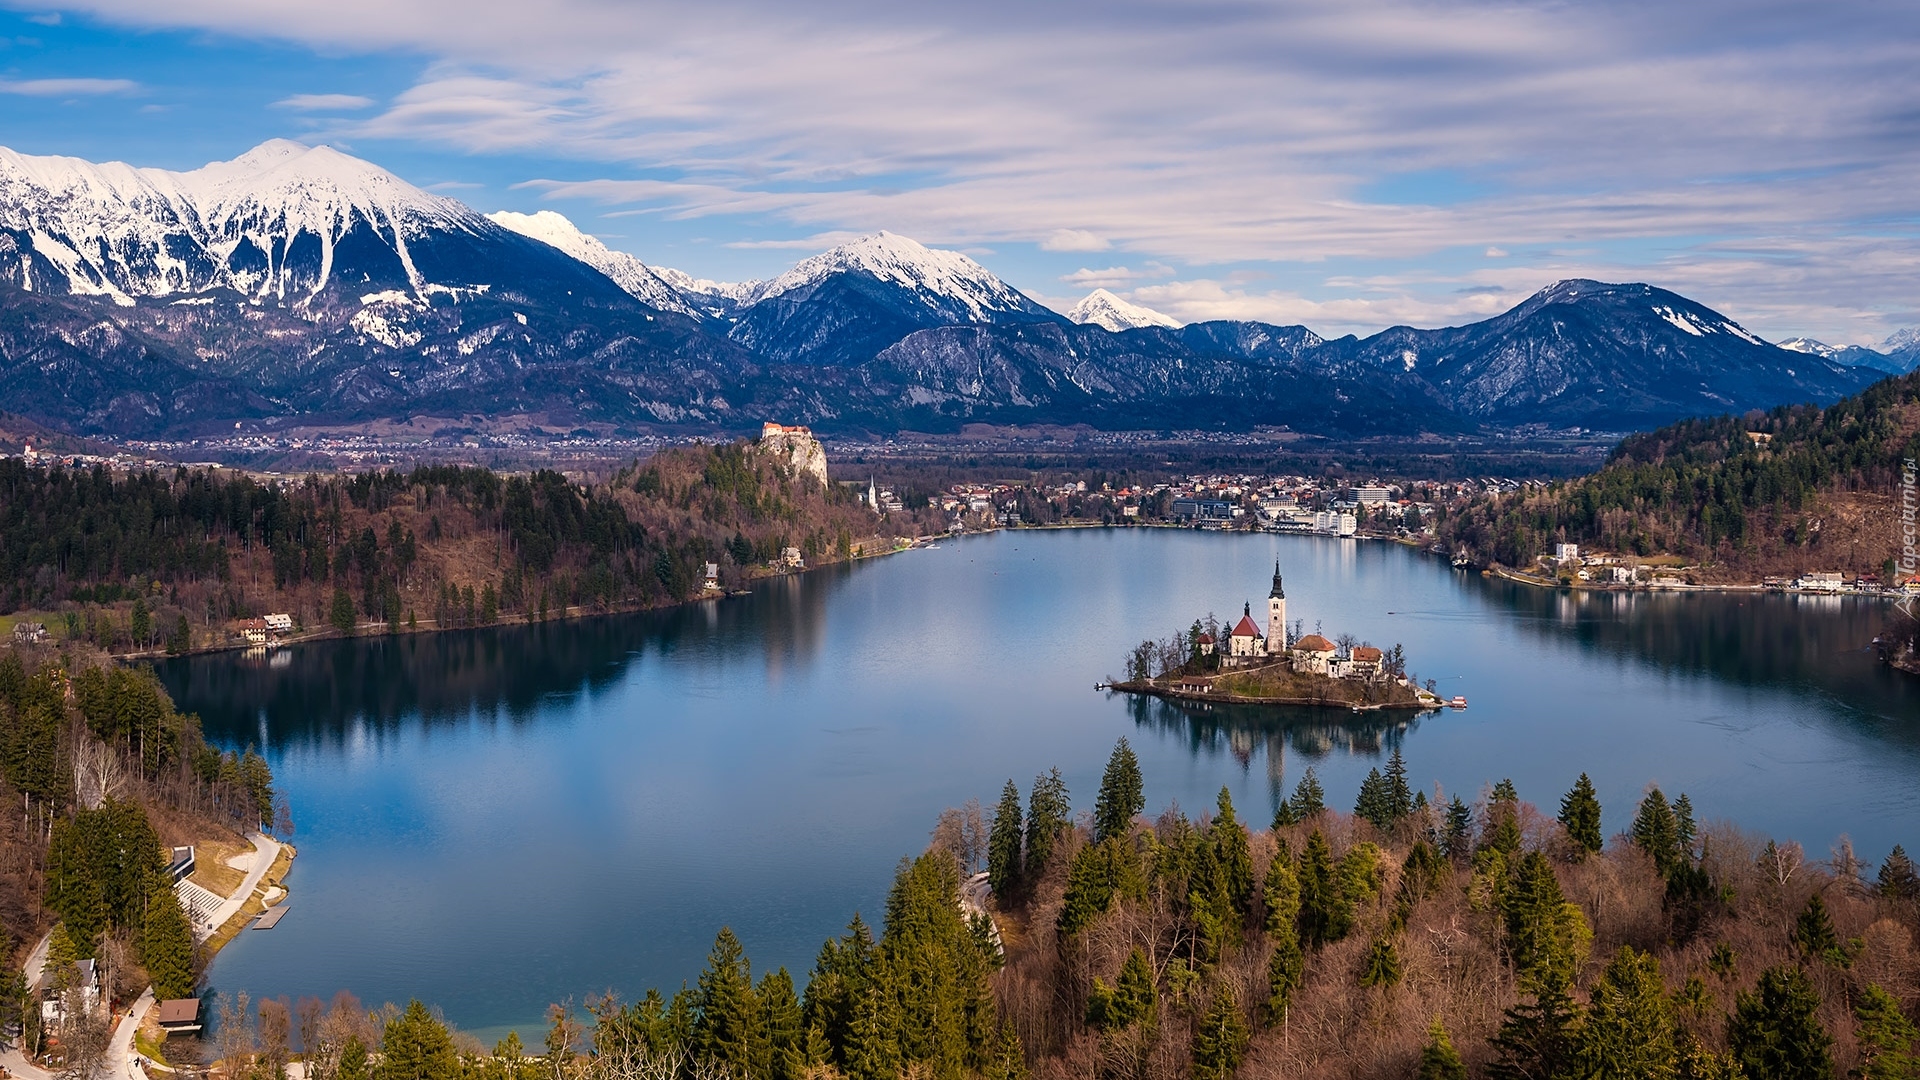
pixel 296 285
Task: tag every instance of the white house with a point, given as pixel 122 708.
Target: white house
pixel 1314 654
pixel 1566 552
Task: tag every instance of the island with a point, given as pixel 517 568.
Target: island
pixel 1274 665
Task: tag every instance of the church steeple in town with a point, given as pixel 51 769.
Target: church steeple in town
pixel 1279 592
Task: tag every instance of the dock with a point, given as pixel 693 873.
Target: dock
pixel 271 917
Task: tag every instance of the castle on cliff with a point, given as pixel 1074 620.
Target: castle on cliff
pixel 796 449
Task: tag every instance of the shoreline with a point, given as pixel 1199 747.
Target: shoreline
pixel 1151 689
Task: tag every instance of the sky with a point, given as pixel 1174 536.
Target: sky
pixel 1346 164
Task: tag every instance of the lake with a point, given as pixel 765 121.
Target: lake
pixel 498 819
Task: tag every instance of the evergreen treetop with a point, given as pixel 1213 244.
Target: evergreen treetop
pixel 1122 794
pixel 1580 815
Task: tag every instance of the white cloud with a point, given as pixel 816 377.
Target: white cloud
pixel 324 102
pixel 68 87
pixel 1074 240
pixel 1211 135
pixel 1496 253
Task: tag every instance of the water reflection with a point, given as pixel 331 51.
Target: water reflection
pixel 330 693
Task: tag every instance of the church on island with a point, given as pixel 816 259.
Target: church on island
pixel 1248 645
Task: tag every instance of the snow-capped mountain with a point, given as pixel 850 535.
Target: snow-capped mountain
pixel 656 286
pixel 1103 309
pixel 846 304
pixel 280 221
pixel 1897 355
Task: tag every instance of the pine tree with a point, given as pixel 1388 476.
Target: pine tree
pixel 1629 1033
pixel 1009 1059
pixel 1309 798
pixel 1233 855
pixel 781 1043
pixel 353 1060
pixel 934 972
pixel 1501 830
pixel 725 1013
pixel 1121 794
pixel 1438 1059
pixel 1814 934
pixel 1003 845
pixel 1382 964
pixel 1281 892
pixel 1221 1040
pixel 1683 827
pixel 1132 999
pixel 1886 1038
pixel 1775 1030
pixel 1286 970
pixel 1458 840
pixel 415 1046
pixel 1320 900
pixel 1399 795
pixel 1375 803
pixel 1536 1041
pixel 1656 832
pixel 1898 881
pixel 166 944
pixel 1047 810
pixel 1547 936
pixel 340 614
pixel 1580 814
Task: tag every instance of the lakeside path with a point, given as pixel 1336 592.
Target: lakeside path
pixel 123 1062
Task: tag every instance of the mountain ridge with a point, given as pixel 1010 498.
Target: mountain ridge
pixel 298 284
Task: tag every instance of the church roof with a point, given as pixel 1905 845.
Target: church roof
pixel 1314 643
pixel 1365 652
pixel 1279 592
pixel 1245 628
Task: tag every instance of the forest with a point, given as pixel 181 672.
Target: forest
pixel 103 775
pixel 1793 489
pixel 1420 936
pixel 148 560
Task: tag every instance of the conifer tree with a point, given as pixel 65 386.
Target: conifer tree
pixel 1458 838
pixel 1286 970
pixel 166 944
pixel 1374 804
pixel 1547 936
pixel 781 1044
pixel 1656 832
pixel 1886 1037
pixel 1233 855
pixel 415 1046
pixel 1629 1033
pixel 1501 830
pixel 1775 1030
pixel 1399 795
pixel 1536 1039
pixel 1004 843
pixel 1121 794
pixel 1047 817
pixel 1009 1059
pixel 1580 814
pixel 1132 999
pixel 1898 881
pixel 1221 1040
pixel 1814 934
pixel 340 613
pixel 725 1014
pixel 1382 964
pixel 934 973
pixel 1320 900
pixel 1438 1059
pixel 1683 827
pixel 1287 966
pixel 1308 799
pixel 353 1060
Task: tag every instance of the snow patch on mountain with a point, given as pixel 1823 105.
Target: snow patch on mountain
pixel 1809 346
pixel 946 281
pixel 266 224
pixel 1103 309
pixel 658 286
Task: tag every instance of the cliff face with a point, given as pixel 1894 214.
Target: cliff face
pixel 795 448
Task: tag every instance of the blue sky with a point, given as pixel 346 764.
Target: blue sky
pixel 1347 164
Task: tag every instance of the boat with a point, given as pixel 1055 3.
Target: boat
pixel 1458 701
pixel 1460 561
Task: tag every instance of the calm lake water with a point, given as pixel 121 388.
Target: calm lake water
pixel 495 820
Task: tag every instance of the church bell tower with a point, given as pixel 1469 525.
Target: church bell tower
pixel 1277 614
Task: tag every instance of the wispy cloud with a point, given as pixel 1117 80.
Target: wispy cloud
pixel 68 87
pixel 324 102
pixel 1681 141
pixel 50 18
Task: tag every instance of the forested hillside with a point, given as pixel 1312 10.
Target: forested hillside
pixel 150 559
pixel 102 775
pixel 1795 489
pixel 1418 937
